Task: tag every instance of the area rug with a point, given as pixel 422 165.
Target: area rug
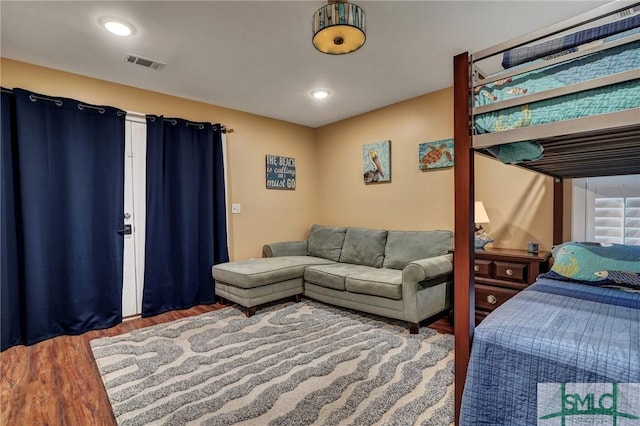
pixel 290 364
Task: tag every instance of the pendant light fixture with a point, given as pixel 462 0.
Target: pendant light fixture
pixel 338 28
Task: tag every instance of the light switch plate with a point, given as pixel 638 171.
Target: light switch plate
pixel 235 208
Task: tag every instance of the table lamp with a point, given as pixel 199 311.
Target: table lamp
pixel 481 216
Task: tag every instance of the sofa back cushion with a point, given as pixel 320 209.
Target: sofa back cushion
pixel 326 242
pixel 364 246
pixel 406 246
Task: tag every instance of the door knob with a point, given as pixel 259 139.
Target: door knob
pixel 127 215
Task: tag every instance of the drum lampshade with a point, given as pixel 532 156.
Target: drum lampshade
pixel 338 28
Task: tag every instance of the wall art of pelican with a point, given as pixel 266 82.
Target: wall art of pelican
pixel 377 171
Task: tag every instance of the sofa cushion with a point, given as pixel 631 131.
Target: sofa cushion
pixel 377 282
pixel 364 246
pixel 406 246
pixel 253 273
pixel 333 275
pixel 326 242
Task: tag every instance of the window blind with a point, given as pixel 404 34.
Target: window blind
pixel 617 220
pixel 606 209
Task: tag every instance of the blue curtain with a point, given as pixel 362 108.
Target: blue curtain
pixel 186 223
pixel 11 322
pixel 62 207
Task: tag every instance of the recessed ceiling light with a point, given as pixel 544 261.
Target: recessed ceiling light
pixel 117 26
pixel 320 94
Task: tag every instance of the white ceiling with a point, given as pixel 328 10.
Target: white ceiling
pixel 257 56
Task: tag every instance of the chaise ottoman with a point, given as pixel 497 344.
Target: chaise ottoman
pixel 254 282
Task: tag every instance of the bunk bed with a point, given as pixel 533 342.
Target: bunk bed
pixel 565 103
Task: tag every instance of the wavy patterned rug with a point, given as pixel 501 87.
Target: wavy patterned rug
pixel 290 364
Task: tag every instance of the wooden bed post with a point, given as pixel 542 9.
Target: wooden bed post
pixel 464 306
pixel 558 210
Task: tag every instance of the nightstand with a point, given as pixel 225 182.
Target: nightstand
pixel 501 273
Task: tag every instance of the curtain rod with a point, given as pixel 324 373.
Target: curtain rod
pixel 59 103
pixel 82 106
pixel 173 121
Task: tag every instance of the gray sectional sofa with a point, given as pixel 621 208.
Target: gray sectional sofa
pixel 406 275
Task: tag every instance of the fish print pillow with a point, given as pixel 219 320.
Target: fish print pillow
pixel 595 262
pixel 624 280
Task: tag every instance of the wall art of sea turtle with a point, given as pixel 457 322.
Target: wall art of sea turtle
pixel 434 154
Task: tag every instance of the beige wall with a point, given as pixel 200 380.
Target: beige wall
pixel 413 200
pixel 518 202
pixel 267 215
pixel 330 188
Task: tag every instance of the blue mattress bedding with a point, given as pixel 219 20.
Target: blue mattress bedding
pixel 569 42
pixel 591 102
pixel 552 332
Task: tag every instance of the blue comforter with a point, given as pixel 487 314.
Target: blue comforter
pixel 552 332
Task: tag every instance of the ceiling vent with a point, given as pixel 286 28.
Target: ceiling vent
pixel 144 62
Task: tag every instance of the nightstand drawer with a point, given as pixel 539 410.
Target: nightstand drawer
pixel 489 298
pixel 511 271
pixel 500 273
pixel 482 268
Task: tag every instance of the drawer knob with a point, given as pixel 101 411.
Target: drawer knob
pixel 492 299
pixel 476 268
pixel 509 272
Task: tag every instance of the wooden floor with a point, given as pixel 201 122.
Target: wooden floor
pixel 442 326
pixel 56 382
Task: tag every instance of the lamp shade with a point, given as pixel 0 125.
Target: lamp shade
pixel 480 213
pixel 338 28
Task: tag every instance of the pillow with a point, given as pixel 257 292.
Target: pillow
pixel 621 278
pixel 326 242
pixel 627 281
pixel 596 262
pixel 364 246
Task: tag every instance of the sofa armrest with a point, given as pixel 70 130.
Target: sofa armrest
pixel 423 278
pixel 285 248
pixel 424 269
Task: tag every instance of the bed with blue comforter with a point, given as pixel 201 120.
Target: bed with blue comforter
pixel 568 79
pixel 601 100
pixel 552 332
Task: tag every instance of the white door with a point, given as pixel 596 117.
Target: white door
pixel 134 214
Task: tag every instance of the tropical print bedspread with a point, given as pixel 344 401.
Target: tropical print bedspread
pixel 582 104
